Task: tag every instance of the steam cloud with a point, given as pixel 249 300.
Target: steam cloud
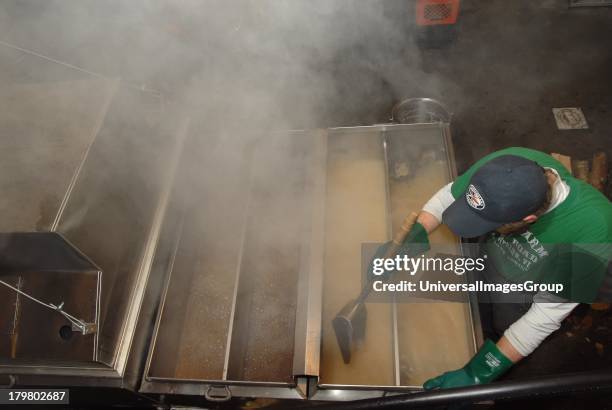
pixel 280 64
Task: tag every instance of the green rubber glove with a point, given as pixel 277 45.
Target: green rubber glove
pixel 487 365
pixel 416 243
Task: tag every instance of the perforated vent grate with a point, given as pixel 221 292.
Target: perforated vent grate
pixel 438 11
pixel 435 12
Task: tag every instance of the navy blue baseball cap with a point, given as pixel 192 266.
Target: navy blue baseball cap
pixel 505 189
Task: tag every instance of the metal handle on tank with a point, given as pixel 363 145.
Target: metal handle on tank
pixel 210 394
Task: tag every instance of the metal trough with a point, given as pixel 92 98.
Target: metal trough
pixel 269 255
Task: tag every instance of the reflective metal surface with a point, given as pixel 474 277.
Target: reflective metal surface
pixel 50 298
pixel 223 263
pixel 92 159
pixel 420 111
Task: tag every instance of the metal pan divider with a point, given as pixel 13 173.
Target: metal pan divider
pixel 243 235
pixel 395 337
pixel 307 350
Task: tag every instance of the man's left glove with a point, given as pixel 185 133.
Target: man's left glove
pixel 416 243
pixel 487 365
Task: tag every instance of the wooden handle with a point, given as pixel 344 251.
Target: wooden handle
pixel 400 236
pixel 405 228
pixel 599 171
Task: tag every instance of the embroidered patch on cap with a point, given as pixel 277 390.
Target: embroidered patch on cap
pixel 474 199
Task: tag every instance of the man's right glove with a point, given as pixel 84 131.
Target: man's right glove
pixel 487 365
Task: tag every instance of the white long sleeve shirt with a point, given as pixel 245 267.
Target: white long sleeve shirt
pixel 547 311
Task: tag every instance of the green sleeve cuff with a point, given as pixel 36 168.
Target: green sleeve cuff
pixel 416 242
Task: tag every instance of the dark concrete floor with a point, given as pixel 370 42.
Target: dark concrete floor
pixel 346 63
pixel 514 61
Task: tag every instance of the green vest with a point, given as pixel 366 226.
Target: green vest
pixel 571 245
